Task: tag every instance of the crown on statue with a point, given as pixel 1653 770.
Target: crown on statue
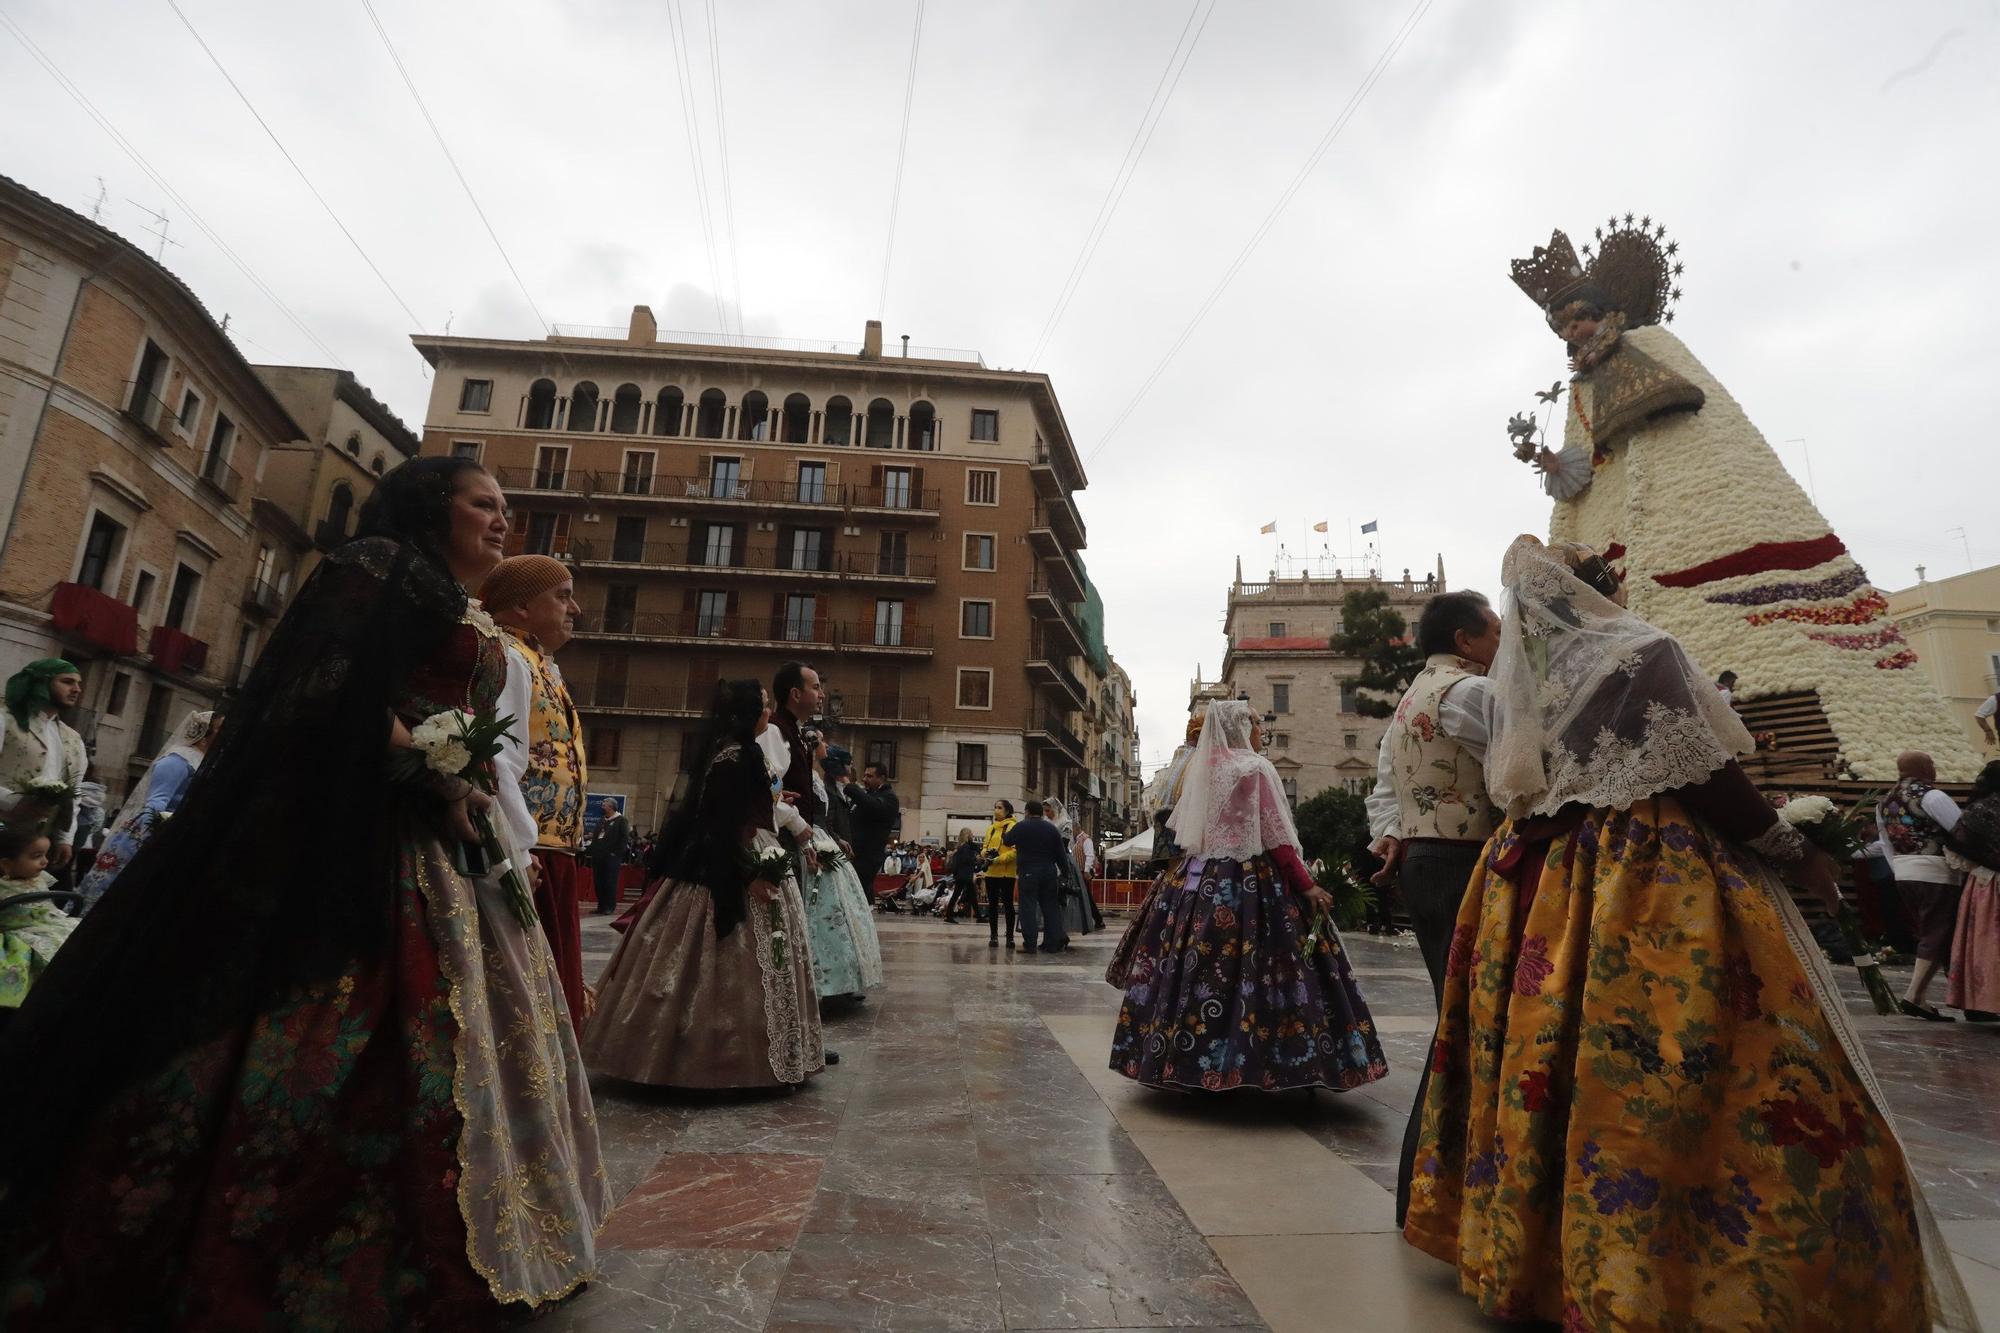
pixel 1634 270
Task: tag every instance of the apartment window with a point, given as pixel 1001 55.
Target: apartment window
pixel 609 690
pixel 220 437
pixel 153 726
pixel 800 611
pixel 621 607
pixel 1350 741
pixel 548 534
pixel 896 483
pixel 376 465
pixel 1349 698
pixel 812 483
pixel 975 620
pixel 181 601
pixel 246 652
pixel 628 543
pixel 725 478
pixel 603 745
pixel 475 396
pixel 190 410
pixel 711 614
pixel 1281 698
pixel 975 687
pixel 985 425
pixel 971 763
pixel 638 478
pixel 152 365
pixel 1276 629
pixel 121 693
pixel 882 754
pixel 465 449
pixel 982 486
pixel 354 443
pixel 719 544
pixel 1281 740
pixel 889 622
pixel 807 549
pixel 100 550
pixel 980 552
pixel 551 467
pixel 1291 786
pixel 892 553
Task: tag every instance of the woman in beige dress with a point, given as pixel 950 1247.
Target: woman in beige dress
pixel 713 985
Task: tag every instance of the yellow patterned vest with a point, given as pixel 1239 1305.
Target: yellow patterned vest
pixel 554 782
pixel 1440 788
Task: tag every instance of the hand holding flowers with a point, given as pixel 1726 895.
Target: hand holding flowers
pixel 460 747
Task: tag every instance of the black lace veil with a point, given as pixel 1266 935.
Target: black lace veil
pixel 702 842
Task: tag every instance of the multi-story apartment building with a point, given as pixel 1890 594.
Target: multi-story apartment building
pixel 1280 657
pixel 906 524
pixel 318 485
pixel 132 437
pixel 1115 752
pixel 1953 624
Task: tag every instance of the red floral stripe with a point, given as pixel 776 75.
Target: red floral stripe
pixel 1759 559
pixel 1878 639
pixel 1898 662
pixel 1865 609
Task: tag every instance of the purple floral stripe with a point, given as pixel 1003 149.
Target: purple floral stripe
pixel 1839 585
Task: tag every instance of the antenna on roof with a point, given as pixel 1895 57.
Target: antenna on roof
pixel 161 218
pixel 97 204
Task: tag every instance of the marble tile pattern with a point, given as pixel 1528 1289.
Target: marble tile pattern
pixel 973 1164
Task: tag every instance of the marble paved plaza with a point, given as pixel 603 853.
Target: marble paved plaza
pixel 972 1164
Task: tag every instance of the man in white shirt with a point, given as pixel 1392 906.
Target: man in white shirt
pixel 38 748
pixel 1429 813
pixel 1984 716
pixel 1913 820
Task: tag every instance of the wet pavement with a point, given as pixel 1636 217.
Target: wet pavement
pixel 971 1164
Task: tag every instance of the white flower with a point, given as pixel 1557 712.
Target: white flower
pixel 451 758
pixel 439 729
pixel 1803 810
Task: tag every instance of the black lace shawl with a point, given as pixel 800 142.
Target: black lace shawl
pixel 278 871
pixel 707 839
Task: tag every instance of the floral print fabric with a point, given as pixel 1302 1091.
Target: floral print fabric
pixel 1638 1116
pixel 1220 993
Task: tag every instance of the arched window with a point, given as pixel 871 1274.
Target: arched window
pixel 709 414
pixel 881 424
pixel 625 409
pixel 923 427
pixel 338 511
pixel 541 414
pixel 839 421
pixel 753 418
pixel 795 422
pixel 667 411
pixel 583 407
pixel 354 443
pixel 375 465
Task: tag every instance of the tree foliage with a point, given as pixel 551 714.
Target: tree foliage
pixel 1376 633
pixel 1333 828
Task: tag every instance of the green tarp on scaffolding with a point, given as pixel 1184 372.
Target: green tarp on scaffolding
pixel 1093 625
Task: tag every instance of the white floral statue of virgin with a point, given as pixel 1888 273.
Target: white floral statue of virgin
pixel 1661 470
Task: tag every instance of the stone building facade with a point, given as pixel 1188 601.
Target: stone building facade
pixel 906 524
pixel 133 436
pixel 1953 625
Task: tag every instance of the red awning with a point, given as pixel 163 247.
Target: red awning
pixel 175 651
pixel 101 621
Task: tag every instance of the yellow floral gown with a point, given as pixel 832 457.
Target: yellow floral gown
pixel 1639 1115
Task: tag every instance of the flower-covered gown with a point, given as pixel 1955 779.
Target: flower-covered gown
pixel 1220 992
pixel 1644 1110
pixel 409 1145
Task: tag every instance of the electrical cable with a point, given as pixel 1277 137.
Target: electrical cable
pixel 722 147
pixel 676 29
pixel 902 151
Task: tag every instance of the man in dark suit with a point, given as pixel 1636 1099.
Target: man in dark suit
pixel 607 853
pixel 873 811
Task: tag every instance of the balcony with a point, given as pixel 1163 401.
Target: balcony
pixel 1044 671
pixel 221 478
pixel 750 630
pixel 768 562
pixel 175 652
pixel 902 711
pixel 1058 514
pixel 1053 478
pixel 901 500
pixel 262 598
pixel 711 492
pixel 1057 618
pixel 872 637
pixel 148 413
pixel 1060 567
pixel 82 612
pixel 1051 733
pixel 683 701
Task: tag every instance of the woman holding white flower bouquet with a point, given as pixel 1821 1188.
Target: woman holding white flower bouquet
pixel 1647 1108
pixel 303 1065
pixel 846 952
pixel 712 987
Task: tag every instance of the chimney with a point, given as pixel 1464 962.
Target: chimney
pixel 643 329
pixel 871 341
pixel 906 346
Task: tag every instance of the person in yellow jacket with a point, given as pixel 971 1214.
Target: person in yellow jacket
pixel 999 860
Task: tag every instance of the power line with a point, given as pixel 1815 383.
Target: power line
pixel 125 146
pixel 722 146
pixel 676 29
pixel 265 126
pixel 1128 166
pixel 902 151
pixel 466 185
pixel 1312 161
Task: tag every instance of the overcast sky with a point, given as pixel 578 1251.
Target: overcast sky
pixel 1828 169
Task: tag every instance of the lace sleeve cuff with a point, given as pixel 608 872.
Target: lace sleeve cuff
pixel 1780 842
pixel 1571 475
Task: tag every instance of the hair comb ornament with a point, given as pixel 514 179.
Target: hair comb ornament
pixel 1631 268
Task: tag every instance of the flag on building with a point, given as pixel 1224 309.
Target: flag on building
pixel 1320 526
pixel 1368 527
pixel 1269 527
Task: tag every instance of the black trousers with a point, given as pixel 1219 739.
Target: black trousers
pixel 605 873
pixel 1434 879
pixel 999 898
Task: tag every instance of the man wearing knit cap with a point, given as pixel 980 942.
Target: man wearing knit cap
pixel 541 768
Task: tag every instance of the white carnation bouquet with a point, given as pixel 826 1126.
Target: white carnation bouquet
pixel 463 745
pixel 771 866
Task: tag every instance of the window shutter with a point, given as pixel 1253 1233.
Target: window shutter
pixel 729 616
pixel 875 478
pixel 916 488
pixel 739 545
pixel 784 560
pixel 777 615
pixel 697 541
pixel 559 545
pixel 820 608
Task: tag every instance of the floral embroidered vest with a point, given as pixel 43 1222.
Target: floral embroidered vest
pixel 1905 826
pixel 1440 787
pixel 554 780
pixel 22 754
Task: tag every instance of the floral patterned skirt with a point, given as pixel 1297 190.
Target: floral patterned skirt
pixel 1220 994
pixel 1975 946
pixel 846 953
pixel 409 1145
pixel 1639 1115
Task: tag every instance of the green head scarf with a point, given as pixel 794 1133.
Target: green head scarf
pixel 28 688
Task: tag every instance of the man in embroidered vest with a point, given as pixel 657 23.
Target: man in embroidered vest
pixel 39 749
pixel 541 769
pixel 796 697
pixel 1429 812
pixel 1913 819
